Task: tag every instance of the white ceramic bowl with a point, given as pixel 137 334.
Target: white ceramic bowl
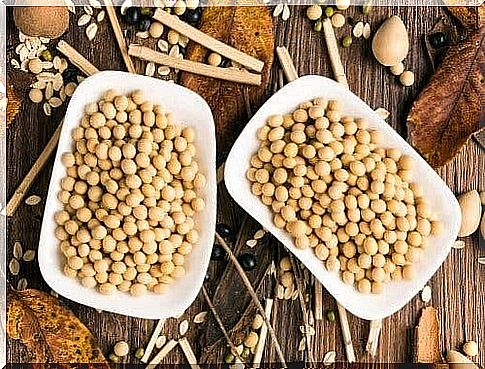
pixel 188 109
pixel 441 199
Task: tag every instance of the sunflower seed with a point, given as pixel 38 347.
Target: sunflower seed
pixel 382 113
pixel 49 90
pixel 91 31
pixel 58 82
pixel 163 45
pixel 40 85
pixel 459 244
pixel 62 94
pixel 200 318
pixel 88 9
pixel 95 4
pixel 14 266
pixel 278 10
pixel 163 70
pixel 70 6
pixel 183 327
pixel 143 34
pixel 55 102
pixel 286 12
pixel 174 51
pixel 251 243
pixel 481 260
pixel 126 4
pixel 259 234
pixel 302 344
pixel 33 200
pixel 101 16
pixel 15 63
pixel 160 342
pixel 150 69
pixel 17 250
pixel 83 20
pixel 47 109
pixel 22 284
pixel 366 31
pixel 56 62
pixel 358 29
pixel 426 294
pixel 29 255
pixel 70 88
pixel 329 358
pixel 280 292
pixel 179 315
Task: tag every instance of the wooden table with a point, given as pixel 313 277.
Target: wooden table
pixel 458 286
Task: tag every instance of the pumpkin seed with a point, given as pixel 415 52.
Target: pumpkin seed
pixel 278 10
pixel 29 255
pixel 358 29
pixel 55 102
pixel 259 234
pixel 33 200
pixel 200 317
pixel 286 12
pixel 163 70
pixel 426 294
pixel 382 113
pixel 101 16
pixel 95 4
pixel 251 243
pixel 174 51
pixel 366 31
pixel 160 342
pixel 88 9
pixel 150 69
pixel 91 31
pixel 17 250
pixel 163 45
pixel 22 284
pixel 83 20
pixel 329 358
pixel 184 327
pixel 14 266
pixel 459 244
pixel 47 109
pixel 56 62
pixel 143 34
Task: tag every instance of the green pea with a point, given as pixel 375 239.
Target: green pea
pixel 229 359
pixel 347 41
pixel 331 315
pixel 329 11
pixel 318 25
pixel 46 55
pixel 139 353
pixel 114 358
pixel 367 7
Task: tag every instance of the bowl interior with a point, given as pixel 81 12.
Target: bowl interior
pixel 441 199
pixel 188 108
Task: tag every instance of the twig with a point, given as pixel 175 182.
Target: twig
pixel 373 340
pixel 332 48
pixel 153 340
pixel 258 354
pixel 254 297
pixel 227 74
pixel 286 63
pixel 301 288
pixel 161 354
pixel 189 353
pixel 22 189
pixel 344 324
pixel 119 36
pixel 220 324
pixel 207 41
pixel 76 58
pixel 318 300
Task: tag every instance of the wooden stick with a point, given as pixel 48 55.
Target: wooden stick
pixel 254 297
pixel 332 48
pixel 286 63
pixel 227 74
pixel 220 173
pixel 161 354
pixel 263 333
pixel 153 341
pixel 110 9
pixel 220 324
pixel 344 324
pixel 373 340
pixel 318 300
pixel 76 58
pixel 207 41
pixel 22 189
pixel 189 353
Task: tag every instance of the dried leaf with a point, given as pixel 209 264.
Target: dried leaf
pixel 447 112
pixel 470 17
pixel 250 30
pixel 13 104
pixel 51 332
pixel 427 338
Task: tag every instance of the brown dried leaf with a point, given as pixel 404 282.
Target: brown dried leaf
pixel 447 112
pixel 51 332
pixel 427 338
pixel 470 17
pixel 250 30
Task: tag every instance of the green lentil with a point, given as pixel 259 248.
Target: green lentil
pixel 318 25
pixel 114 358
pixel 46 55
pixel 139 353
pixel 331 315
pixel 229 359
pixel 347 41
pixel 329 11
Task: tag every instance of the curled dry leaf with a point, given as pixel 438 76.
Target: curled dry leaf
pixel 51 332
pixel 447 112
pixel 250 30
pixel 427 338
pixel 470 17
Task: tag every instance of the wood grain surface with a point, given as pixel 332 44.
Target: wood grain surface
pixel 458 286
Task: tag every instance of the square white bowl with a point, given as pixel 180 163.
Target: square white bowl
pixel 441 199
pixel 189 109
